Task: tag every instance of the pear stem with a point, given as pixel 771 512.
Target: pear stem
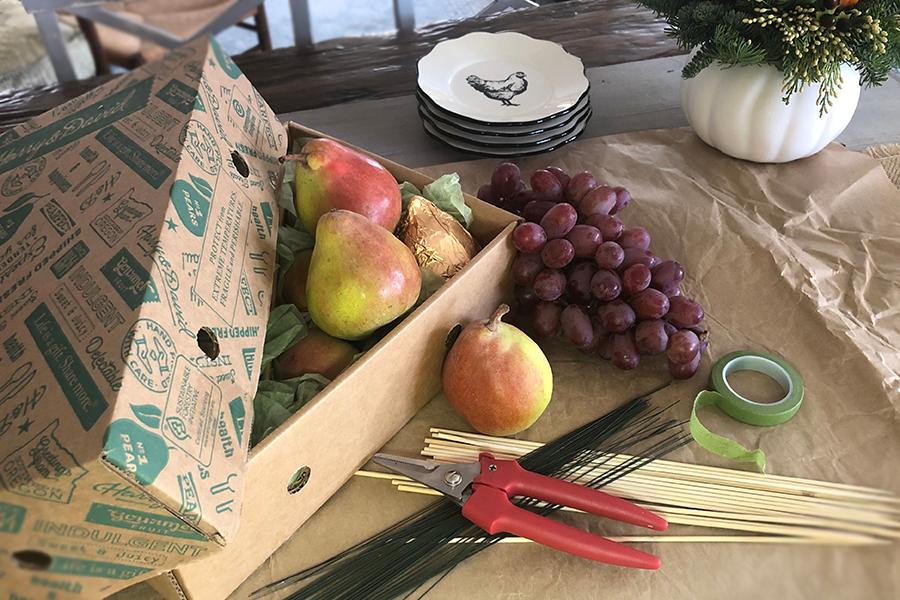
pixel 494 321
pixel 301 158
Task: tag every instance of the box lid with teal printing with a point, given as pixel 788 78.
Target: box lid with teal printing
pixel 137 249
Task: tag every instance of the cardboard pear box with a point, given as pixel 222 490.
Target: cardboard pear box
pixel 137 252
pixel 300 465
pixel 137 248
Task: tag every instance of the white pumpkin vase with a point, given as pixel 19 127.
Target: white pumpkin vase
pixel 740 111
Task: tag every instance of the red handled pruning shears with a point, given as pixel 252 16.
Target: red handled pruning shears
pixel 484 488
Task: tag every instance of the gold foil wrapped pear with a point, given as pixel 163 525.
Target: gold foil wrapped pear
pixel 438 241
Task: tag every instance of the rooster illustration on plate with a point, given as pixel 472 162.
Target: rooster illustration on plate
pixel 502 90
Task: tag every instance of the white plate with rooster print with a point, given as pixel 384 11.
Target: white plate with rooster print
pixel 509 151
pixel 507 142
pixel 505 129
pixel 502 78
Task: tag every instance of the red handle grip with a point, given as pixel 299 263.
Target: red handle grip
pixel 490 509
pixel 509 476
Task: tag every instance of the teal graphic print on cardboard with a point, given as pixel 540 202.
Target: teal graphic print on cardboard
pixel 141 162
pixel 81 392
pixel 224 60
pixel 190 509
pixel 148 414
pixel 199 142
pixel 20 178
pixel 94 568
pixel 151 294
pixel 68 260
pixel 236 408
pixel 72 127
pixel 42 469
pixel 12 218
pixel 191 201
pixel 191 415
pixel 131 229
pixel 11 517
pixel 267 214
pixel 178 95
pixel 249 355
pixel 127 276
pixel 135 450
pixel 139 520
pixel 149 352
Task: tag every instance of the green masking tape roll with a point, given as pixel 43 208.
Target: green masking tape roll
pixel 742 409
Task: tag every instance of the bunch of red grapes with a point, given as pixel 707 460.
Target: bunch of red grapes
pixel 582 272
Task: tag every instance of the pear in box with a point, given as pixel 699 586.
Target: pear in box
pixel 316 352
pixel 294 287
pixel 361 277
pixel 331 176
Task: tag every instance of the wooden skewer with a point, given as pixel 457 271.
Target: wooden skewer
pixel 762 516
pixel 739 498
pixel 667 466
pixel 781 509
pixel 886 503
pixel 786 519
pixel 407 485
pixel 658 492
pixel 836 537
pixel 416 489
pixel 792 483
pixel 377 475
pixel 723 520
pixel 798 526
pixel 641 476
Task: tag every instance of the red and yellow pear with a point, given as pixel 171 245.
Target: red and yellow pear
pixel 316 352
pixel 497 377
pixel 294 287
pixel 361 277
pixel 331 176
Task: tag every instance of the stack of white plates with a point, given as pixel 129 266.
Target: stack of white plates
pixel 503 94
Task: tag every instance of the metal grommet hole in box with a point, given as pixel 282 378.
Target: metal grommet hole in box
pixel 240 164
pixel 298 480
pixel 33 560
pixel 208 343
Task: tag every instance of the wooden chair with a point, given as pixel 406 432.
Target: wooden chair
pixel 112 44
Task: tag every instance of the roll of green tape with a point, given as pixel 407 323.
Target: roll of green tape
pixel 742 409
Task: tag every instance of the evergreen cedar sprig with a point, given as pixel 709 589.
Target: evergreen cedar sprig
pixel 807 40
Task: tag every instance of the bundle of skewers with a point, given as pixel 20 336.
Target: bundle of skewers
pixel 763 508
pixel 622 453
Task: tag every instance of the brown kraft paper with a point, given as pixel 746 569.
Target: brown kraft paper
pixel 802 260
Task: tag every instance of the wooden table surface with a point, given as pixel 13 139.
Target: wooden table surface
pixel 624 97
pixel 339 71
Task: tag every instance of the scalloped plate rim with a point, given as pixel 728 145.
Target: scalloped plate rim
pixel 553 70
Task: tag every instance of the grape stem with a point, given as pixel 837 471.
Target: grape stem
pixel 494 321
